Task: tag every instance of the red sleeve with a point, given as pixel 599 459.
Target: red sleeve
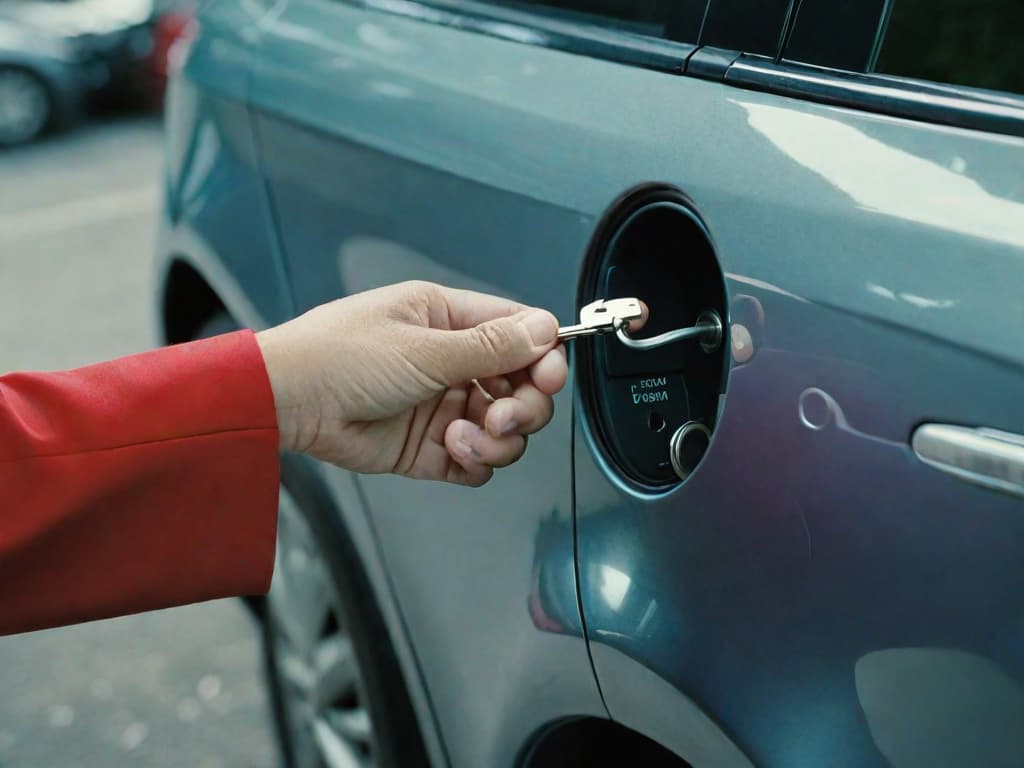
pixel 141 483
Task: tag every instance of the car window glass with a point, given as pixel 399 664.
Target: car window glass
pixel 835 33
pixel 962 42
pixel 678 20
pixel 750 26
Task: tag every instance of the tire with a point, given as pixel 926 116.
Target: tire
pixel 337 692
pixel 26 107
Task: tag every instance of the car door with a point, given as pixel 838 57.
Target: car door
pixel 792 601
pixel 828 585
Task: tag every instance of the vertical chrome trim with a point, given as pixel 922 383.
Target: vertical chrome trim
pixel 985 457
pixel 792 11
pixel 880 32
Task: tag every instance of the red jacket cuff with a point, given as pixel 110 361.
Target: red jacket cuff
pixel 140 483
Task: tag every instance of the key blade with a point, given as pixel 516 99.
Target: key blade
pixel 602 316
pixel 575 331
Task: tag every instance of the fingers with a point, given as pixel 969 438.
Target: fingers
pixel 529 407
pixel 496 388
pixel 492 348
pixel 527 411
pixel 467 309
pixel 478 452
pixel 550 372
pixel 474 477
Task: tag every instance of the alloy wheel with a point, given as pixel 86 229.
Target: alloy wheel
pixel 323 701
pixel 24 106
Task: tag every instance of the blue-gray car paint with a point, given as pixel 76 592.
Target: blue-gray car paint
pixel 814 595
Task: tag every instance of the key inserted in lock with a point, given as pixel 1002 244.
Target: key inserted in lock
pixel 613 315
pixel 708 329
pixel 640 387
pixel 603 316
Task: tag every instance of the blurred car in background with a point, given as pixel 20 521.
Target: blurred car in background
pixel 41 83
pixel 58 57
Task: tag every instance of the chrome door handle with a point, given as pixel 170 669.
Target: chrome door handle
pixel 708 329
pixel 985 457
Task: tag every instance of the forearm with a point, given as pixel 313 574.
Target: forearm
pixel 141 483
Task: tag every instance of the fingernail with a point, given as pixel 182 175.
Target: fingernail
pixel 465 451
pixel 541 326
pixel 509 427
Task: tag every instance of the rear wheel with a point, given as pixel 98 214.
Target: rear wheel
pixel 25 106
pixel 338 695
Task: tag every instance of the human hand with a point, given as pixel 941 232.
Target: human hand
pixel 380 381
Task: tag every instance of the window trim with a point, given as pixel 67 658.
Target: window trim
pixel 925 101
pixel 583 39
pixel 922 100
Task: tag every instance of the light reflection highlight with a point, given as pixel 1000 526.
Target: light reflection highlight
pixel 889 180
pixel 614 586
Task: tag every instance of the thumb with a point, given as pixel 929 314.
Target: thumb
pixel 496 347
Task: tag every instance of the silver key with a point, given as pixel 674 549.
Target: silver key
pixel 602 316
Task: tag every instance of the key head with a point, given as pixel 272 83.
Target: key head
pixel 607 315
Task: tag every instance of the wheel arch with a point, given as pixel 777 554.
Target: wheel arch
pixel 585 741
pixel 188 295
pixel 187 302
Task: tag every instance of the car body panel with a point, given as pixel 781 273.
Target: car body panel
pixel 218 221
pixel 783 583
pixel 216 215
pixel 889 276
pixel 801 549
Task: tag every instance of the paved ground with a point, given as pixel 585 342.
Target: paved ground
pixel 178 688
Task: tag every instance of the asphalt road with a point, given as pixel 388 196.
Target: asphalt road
pixel 172 688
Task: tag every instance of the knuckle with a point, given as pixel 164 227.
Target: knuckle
pixel 420 292
pixel 418 286
pixel 495 337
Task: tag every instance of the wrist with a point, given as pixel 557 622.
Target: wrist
pixel 276 358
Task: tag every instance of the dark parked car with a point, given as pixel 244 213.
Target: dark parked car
pixel 58 57
pixel 801 547
pixel 40 84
